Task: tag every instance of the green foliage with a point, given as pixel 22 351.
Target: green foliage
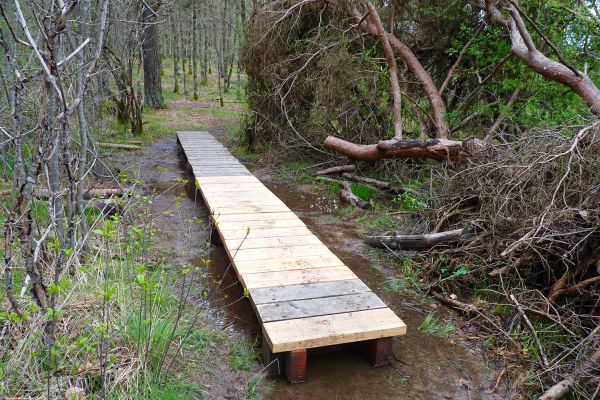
pixel 364 192
pixel 297 172
pixel 335 188
pixel 432 325
pixel 409 280
pixel 408 202
pixel 153 390
pixel 255 389
pixel 243 355
pixel 381 222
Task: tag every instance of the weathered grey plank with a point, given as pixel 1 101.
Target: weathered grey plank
pixel 326 305
pixel 308 291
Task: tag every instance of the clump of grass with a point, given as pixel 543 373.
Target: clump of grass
pixel 243 354
pixel 408 202
pixel 409 281
pixel 297 172
pixel 167 390
pixel 254 389
pixel 335 188
pixel 380 222
pixel 364 192
pixel 432 325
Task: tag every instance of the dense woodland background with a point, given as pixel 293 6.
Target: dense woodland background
pixel 474 122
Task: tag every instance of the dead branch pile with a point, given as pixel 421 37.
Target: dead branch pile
pixel 311 76
pixel 538 206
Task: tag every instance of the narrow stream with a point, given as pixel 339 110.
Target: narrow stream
pixel 424 367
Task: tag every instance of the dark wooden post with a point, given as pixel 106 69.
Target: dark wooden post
pixel 273 362
pixel 295 366
pixel 378 350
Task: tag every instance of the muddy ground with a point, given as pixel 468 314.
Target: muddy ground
pixel 424 367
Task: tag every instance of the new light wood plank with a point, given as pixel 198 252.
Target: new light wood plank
pixel 288 263
pixel 232 234
pixel 252 243
pixel 281 223
pixel 306 333
pixel 293 309
pixel 307 291
pixel 251 179
pixel 296 277
pixel 220 201
pixel 246 217
pixel 245 209
pixel 281 252
pixel 259 198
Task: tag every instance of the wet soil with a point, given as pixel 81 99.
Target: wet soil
pixel 424 367
pixel 180 240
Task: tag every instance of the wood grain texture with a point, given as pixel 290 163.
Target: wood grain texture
pixel 327 330
pixel 297 277
pixel 308 291
pixel 303 294
pixel 292 309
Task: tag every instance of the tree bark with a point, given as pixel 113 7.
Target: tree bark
pixel 425 241
pixel 436 149
pixel 347 195
pixel 393 71
pixel 175 46
pixel 153 96
pixel 337 170
pixel 195 50
pixel 368 181
pixel 525 50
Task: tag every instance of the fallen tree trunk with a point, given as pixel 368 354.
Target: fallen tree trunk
pixel 120 146
pixel 425 241
pixel 88 194
pixel 435 149
pixel 368 181
pixel 337 170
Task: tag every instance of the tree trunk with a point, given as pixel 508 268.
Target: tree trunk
pixel 524 49
pixel 337 170
pixel 435 149
pixel 175 46
pixel 203 54
pixel 220 61
pixel 425 241
pixel 153 96
pixel 393 71
pixel 195 50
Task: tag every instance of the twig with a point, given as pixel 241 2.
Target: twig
pixel 533 331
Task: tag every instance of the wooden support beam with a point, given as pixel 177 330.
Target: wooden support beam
pixel 378 351
pixel 295 366
pixel 215 238
pixel 273 362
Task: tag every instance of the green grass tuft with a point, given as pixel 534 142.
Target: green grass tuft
pixel 243 355
pixel 432 326
pixel 364 192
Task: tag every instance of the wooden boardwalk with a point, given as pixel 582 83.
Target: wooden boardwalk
pixel 303 295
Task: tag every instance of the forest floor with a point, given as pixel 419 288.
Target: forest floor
pixel 441 357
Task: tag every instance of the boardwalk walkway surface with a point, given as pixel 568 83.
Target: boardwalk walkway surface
pixel 303 295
